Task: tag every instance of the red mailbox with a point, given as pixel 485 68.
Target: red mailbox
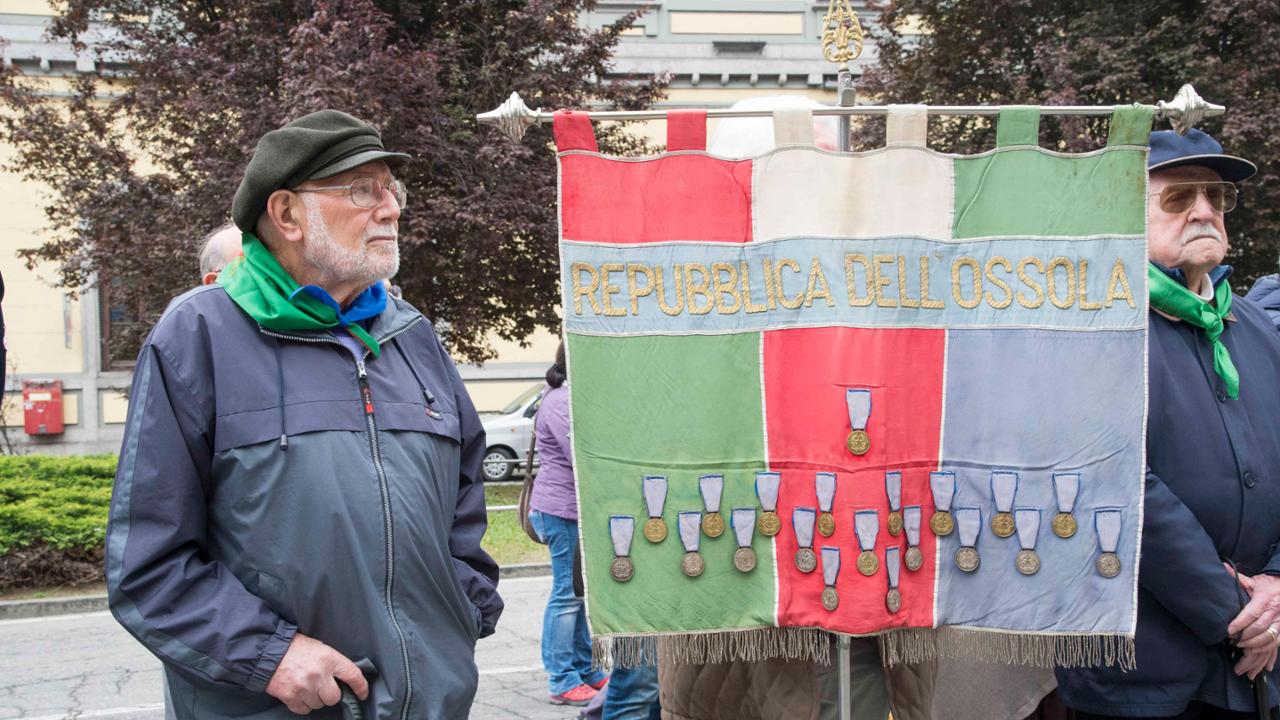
pixel 42 407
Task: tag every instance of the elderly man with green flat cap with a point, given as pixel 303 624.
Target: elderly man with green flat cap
pixel 297 514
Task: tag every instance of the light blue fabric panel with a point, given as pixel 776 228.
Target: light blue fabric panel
pixel 899 280
pixel 1039 405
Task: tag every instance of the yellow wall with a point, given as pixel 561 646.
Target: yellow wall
pixel 736 23
pixel 115 407
pixel 26 7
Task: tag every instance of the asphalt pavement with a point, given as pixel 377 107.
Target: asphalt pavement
pixel 86 666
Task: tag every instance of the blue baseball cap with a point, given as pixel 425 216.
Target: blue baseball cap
pixel 1169 150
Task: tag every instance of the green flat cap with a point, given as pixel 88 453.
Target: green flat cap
pixel 314 146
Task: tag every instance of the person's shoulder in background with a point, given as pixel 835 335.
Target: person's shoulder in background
pixel 1266 293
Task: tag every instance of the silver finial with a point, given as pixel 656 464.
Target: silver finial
pixel 1186 110
pixel 512 117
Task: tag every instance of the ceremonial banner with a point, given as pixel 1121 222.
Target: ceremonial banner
pixel 896 392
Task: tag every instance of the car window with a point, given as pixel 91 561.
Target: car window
pixel 520 400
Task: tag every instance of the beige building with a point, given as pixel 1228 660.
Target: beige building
pixel 716 52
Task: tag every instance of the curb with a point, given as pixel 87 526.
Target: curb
pixel 24 609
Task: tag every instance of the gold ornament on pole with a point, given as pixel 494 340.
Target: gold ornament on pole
pixel 841 33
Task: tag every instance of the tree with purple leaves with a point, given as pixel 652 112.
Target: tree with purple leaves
pixel 1084 52
pixel 143 157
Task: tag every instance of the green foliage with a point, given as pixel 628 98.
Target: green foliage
pixel 58 501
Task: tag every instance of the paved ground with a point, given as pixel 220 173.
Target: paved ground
pixel 86 666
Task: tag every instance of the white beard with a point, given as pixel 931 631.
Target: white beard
pixel 338 264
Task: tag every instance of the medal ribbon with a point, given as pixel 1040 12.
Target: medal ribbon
pixel 655 494
pixel 867 524
pixel 1066 486
pixel 893 488
pixel 711 486
pixel 1004 485
pixel 621 529
pixel 826 486
pixel 892 555
pixel 830 565
pixel 802 519
pixel 743 522
pixel 943 485
pixel 1027 521
pixel 859 402
pixel 911 523
pixel 690 524
pixel 767 489
pixel 1107 523
pixel 968 522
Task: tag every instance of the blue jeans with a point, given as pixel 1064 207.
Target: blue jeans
pixel 633 694
pixel 566 643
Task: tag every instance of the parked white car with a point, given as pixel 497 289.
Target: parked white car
pixel 509 434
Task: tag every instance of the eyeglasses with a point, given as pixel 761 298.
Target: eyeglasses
pixel 366 192
pixel 1179 197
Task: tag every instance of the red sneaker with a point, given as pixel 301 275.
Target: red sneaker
pixel 580 695
pixel 599 685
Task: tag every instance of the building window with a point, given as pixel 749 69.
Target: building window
pixel 120 325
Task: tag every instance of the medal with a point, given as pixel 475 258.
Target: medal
pixel 1004 486
pixel 893 599
pixel 1066 486
pixel 893 488
pixel 1028 520
pixel 767 490
pixel 802 519
pixel 621 530
pixel 913 558
pixel 743 521
pixel 943 486
pixel 1107 523
pixel 825 484
pixel 711 487
pixel 859 404
pixel 689 525
pixel 655 496
pixel 968 523
pixel 830 571
pixel 866 524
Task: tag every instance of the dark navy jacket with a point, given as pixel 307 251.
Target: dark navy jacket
pixel 1266 292
pixel 1213 492
pixel 272 483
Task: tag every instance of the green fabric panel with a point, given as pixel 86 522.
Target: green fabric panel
pixel 1018 125
pixel 702 423
pixel 1130 125
pixel 1031 192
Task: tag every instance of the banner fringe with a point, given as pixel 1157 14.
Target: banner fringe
pixel 908 646
pixel 752 645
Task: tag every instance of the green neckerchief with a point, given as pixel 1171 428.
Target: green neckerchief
pixel 1171 297
pixel 269 295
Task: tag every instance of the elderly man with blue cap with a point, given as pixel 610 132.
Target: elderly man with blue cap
pixel 1209 579
pixel 296 521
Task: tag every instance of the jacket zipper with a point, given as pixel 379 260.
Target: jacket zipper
pixel 366 400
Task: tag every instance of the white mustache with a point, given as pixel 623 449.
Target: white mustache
pixel 1195 231
pixel 382 231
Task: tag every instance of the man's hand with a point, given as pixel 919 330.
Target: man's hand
pixel 304 680
pixel 1259 622
pixel 1255 661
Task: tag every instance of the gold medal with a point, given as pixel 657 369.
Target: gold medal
pixel 967 559
pixel 768 523
pixel 830 598
pixel 1108 565
pixel 914 558
pixel 1002 524
pixel 1064 525
pixel 692 564
pixel 895 523
pixel 806 560
pixel 744 559
pixel 713 525
pixel 1027 562
pixel 893 600
pixel 622 569
pixel 655 530
pixel 826 524
pixel 941 523
pixel 858 442
pixel 868 563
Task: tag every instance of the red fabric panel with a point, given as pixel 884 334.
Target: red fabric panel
pixel 677 197
pixel 806 372
pixel 686 130
pixel 573 131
